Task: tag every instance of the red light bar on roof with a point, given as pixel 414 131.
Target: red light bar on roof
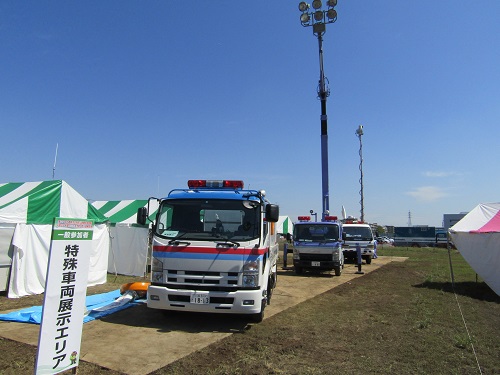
pixel 330 218
pixel 235 184
pixel 304 218
pixel 353 221
pixel 229 184
pixel 197 183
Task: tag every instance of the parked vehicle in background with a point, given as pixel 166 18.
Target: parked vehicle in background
pixel 442 239
pixel 418 236
pixel 384 240
pixel 318 245
pixel 358 233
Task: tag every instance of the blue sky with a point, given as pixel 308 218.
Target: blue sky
pixel 141 96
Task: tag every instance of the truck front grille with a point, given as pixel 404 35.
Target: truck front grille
pixel 315 257
pixel 206 278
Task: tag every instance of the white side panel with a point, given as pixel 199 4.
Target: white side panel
pixel 129 247
pixel 16 212
pixel 482 252
pixel 31 245
pixel 29 263
pixel 6 233
pixel 99 257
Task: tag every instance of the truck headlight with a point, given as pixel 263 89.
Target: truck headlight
pixel 156 265
pixel 336 253
pixel 157 277
pixel 251 274
pixel 296 254
pixel 250 280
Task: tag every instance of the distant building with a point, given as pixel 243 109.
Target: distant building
pixel 450 220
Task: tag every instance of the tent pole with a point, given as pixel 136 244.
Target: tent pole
pixel 451 266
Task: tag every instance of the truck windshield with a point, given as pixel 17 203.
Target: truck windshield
pixel 316 232
pixel 217 219
pixel 358 233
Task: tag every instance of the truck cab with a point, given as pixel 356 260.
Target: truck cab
pixel 214 249
pixel 318 245
pixel 357 233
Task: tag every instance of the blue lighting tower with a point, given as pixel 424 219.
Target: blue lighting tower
pixel 318 17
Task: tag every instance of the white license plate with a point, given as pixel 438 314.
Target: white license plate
pixel 200 298
pixel 315 264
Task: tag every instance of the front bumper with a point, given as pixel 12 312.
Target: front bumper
pixel 220 302
pixel 352 253
pixel 318 265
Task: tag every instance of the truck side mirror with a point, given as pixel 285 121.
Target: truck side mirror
pixel 272 213
pixel 142 215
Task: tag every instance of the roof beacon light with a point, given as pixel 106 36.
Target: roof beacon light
pixel 192 184
pixel 330 218
pixel 304 218
pixel 234 184
pixel 352 220
pixel 228 184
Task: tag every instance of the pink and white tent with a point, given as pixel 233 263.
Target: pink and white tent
pixel 477 238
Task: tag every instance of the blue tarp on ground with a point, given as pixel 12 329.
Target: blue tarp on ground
pixel 98 305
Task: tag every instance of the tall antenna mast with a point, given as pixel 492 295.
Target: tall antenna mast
pixel 55 161
pixel 409 218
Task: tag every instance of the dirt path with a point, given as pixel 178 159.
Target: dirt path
pixel 115 341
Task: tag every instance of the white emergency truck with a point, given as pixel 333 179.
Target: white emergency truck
pixel 356 233
pixel 214 249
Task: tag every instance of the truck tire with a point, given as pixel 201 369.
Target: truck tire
pixel 368 260
pixel 259 317
pixel 338 270
pixel 271 284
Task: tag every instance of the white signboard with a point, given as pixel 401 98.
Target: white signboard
pixel 65 291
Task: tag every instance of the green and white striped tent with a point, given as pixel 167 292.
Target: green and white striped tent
pixel 122 212
pixel 284 225
pixel 27 211
pixel 129 250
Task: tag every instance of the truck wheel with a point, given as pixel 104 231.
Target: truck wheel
pixel 259 317
pixel 369 260
pixel 338 270
pixel 271 283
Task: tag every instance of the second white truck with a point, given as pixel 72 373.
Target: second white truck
pixel 358 233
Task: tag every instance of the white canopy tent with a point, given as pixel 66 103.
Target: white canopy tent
pixel 128 253
pixel 27 211
pixel 477 238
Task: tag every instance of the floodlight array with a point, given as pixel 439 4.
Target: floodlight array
pixel 317 15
